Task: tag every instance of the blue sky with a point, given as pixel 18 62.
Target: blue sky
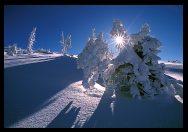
pixel 166 23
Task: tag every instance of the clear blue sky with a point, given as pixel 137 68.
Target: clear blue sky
pixel 166 23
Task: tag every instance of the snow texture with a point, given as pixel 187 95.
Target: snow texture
pixel 50 94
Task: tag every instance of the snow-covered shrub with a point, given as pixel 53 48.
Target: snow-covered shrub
pixel 31 41
pixel 93 59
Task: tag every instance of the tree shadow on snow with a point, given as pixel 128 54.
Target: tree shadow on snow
pixel 125 112
pixel 65 119
pixel 102 116
pixel 26 87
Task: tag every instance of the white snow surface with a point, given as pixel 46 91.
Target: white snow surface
pixel 10 61
pixel 47 92
pixel 174 70
pixel 70 101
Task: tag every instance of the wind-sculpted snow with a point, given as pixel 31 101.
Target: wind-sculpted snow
pixel 50 94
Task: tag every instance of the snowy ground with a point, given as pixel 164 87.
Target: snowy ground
pixel 46 91
pixel 174 70
pixel 10 61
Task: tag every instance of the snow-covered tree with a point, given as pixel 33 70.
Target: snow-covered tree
pixel 68 42
pixel 12 50
pixel 118 28
pixel 65 43
pixel 147 48
pixel 62 43
pixel 93 59
pixel 135 71
pixel 127 73
pixel 119 34
pixel 31 41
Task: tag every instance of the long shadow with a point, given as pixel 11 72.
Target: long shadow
pixel 65 119
pixel 132 113
pixel 102 116
pixel 26 87
pixel 124 112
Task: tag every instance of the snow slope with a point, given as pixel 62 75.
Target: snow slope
pixel 10 61
pixel 47 92
pixel 174 70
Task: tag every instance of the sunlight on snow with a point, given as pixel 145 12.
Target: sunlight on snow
pixel 177 76
pixel 75 95
pixel 179 98
pixel 11 61
pixel 99 87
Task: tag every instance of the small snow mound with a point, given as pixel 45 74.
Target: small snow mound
pixel 99 87
pixel 97 91
pixel 93 93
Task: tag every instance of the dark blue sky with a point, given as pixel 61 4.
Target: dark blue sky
pixel 166 23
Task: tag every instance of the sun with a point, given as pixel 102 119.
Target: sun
pixel 119 40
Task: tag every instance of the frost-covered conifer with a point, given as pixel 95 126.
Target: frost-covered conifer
pixel 68 42
pixel 119 35
pixel 118 28
pixel 31 41
pixel 135 71
pixel 62 43
pixel 93 59
pixel 65 44
pixel 147 48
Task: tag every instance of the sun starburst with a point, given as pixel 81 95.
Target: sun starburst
pixel 119 41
